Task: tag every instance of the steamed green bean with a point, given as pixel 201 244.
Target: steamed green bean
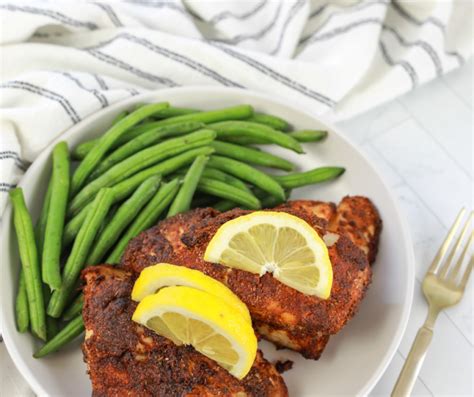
pixel 247 173
pixel 125 188
pixel 139 161
pixel 96 154
pixel 29 262
pixel 125 214
pixel 71 331
pixel 240 129
pixel 80 249
pixel 251 155
pixel 51 251
pixel 317 175
pixel 147 218
pixel 143 141
pixel 183 199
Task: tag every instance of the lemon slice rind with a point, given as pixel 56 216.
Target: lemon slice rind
pixel 224 249
pixel 161 275
pixel 193 304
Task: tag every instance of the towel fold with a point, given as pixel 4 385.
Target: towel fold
pixel 63 61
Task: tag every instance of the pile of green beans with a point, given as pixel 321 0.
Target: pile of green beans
pixel 153 162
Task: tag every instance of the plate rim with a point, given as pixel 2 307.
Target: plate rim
pixel 16 357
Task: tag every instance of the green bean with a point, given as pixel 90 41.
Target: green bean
pixel 251 155
pixel 74 308
pixel 182 201
pixel 244 140
pixel 266 200
pixel 147 218
pixel 21 302
pixel 249 174
pixel 214 173
pixel 270 202
pixel 219 175
pixel 52 326
pixel 110 216
pixel 223 190
pixel 184 115
pixel 173 112
pixel 96 154
pixel 30 262
pixel 71 331
pixel 139 161
pixel 232 129
pixel 80 249
pixel 225 205
pixel 40 226
pixel 125 188
pixel 300 136
pixel 308 135
pixel 21 305
pixel 51 271
pixel 143 141
pixel 232 113
pixel 81 150
pixel 311 177
pixel 271 121
pixel 125 214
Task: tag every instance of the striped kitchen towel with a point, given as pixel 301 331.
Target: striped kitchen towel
pixel 65 60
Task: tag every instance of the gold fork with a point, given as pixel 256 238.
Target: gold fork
pixel 443 286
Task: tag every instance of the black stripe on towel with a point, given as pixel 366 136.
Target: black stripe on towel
pixel 258 35
pixel 229 14
pixel 184 60
pixel 320 9
pixel 347 10
pixel 163 4
pixel 51 14
pixel 10 154
pixel 273 74
pixel 6 187
pixel 404 64
pixel 110 13
pixel 101 82
pixel 131 69
pixel 419 43
pixel 397 6
pixel 65 104
pixel 293 11
pixel 100 97
pixel 196 66
pixel 344 29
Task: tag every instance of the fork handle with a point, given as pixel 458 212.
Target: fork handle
pixel 413 363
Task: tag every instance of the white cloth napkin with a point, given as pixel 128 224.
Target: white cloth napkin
pixel 63 61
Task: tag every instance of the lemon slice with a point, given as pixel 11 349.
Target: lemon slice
pixel 162 275
pixel 278 243
pixel 192 317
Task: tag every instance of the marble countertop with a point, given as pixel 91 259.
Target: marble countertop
pixel 422 144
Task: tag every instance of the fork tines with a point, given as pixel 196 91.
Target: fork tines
pixel 448 263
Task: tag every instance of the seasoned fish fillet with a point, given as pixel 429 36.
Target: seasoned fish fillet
pixel 355 217
pixel 126 359
pixel 280 313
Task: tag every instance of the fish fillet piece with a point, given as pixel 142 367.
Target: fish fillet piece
pixel 355 217
pixel 280 313
pixel 126 359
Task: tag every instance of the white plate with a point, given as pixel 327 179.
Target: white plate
pixel 355 358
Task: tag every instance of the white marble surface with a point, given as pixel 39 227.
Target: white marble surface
pixel 422 144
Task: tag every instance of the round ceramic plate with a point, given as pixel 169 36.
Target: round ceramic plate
pixel 371 337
